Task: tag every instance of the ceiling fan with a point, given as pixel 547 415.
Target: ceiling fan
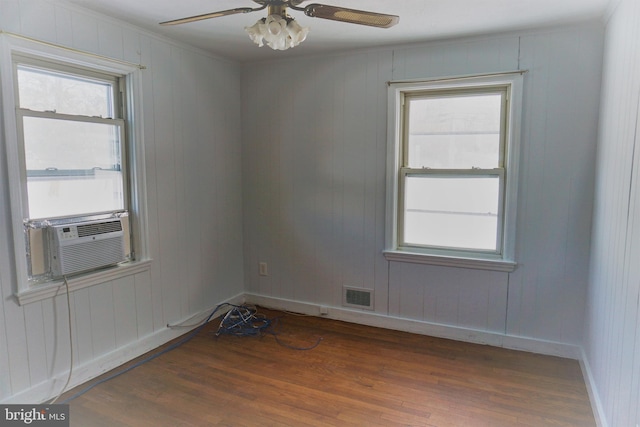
pixel 280 31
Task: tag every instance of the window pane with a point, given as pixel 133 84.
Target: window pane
pixel 72 167
pixel 41 90
pixel 451 212
pixel 458 132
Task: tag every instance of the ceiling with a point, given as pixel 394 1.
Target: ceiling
pixel 420 20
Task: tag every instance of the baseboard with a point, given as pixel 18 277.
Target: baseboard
pixel 47 390
pixel 419 327
pixel 592 390
pixel 445 331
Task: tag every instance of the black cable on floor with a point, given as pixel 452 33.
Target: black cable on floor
pixel 245 321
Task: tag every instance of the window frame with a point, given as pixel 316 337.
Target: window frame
pixel 118 120
pixel 130 75
pixel 503 259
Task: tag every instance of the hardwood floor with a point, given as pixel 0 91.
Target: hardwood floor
pixel 356 376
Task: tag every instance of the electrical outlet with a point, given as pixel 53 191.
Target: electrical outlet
pixel 264 271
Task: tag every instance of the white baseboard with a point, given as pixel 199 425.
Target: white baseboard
pixel 445 331
pixel 47 390
pixel 420 327
pixel 592 390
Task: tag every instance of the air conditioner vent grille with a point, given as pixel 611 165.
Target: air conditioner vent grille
pixel 89 255
pixel 360 298
pixel 74 248
pixel 95 229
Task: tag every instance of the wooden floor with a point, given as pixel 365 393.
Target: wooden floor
pixel 356 376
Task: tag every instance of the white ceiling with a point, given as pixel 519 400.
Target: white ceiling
pixel 420 20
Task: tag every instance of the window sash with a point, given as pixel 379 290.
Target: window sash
pixel 408 96
pixel 27 174
pixel 76 73
pixel 405 173
pixel 82 74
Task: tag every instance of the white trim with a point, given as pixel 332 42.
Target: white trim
pixel 449 79
pixel 11 44
pixel 54 288
pixel 16 201
pixel 514 81
pixel 592 390
pixel 137 166
pixel 45 390
pixel 365 317
pixel 83 373
pixel 450 261
pixel 71 51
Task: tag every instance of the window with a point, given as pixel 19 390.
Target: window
pixel 73 138
pixel 453 171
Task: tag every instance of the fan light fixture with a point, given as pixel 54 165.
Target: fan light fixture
pixel 278 32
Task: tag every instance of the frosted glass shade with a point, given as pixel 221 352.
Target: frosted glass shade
pixel 277 32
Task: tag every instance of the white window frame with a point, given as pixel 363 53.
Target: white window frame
pixel 117 84
pixel 11 46
pixel 501 260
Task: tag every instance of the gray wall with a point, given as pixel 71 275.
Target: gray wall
pixel 191 110
pixel 307 172
pixel 314 147
pixel 612 346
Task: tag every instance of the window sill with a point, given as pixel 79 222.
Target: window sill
pixel 51 289
pixel 450 261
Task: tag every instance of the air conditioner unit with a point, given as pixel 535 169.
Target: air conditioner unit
pixel 86 246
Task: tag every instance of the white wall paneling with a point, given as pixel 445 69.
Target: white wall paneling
pixel 309 173
pixel 547 291
pixel 612 345
pixel 449 296
pixel 314 189
pixel 191 116
pixel 284 162
pixel 82 322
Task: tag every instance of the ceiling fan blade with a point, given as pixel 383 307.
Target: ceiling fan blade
pixel 352 16
pixel 210 15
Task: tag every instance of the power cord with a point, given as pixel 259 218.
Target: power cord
pixel 275 336
pixel 245 321
pixel 148 358
pixel 66 284
pixel 240 321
